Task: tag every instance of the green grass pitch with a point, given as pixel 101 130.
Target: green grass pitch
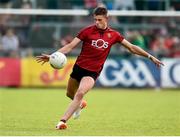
pixel 114 112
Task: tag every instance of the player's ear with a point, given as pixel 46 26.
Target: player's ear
pixel 107 17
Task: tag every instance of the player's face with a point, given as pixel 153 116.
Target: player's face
pixel 100 21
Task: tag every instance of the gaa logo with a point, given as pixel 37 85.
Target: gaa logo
pixel 99 43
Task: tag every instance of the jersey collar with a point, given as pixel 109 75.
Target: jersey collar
pixel 102 30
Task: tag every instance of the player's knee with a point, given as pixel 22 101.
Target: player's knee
pixel 71 96
pixel 79 95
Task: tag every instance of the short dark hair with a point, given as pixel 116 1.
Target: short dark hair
pixel 100 11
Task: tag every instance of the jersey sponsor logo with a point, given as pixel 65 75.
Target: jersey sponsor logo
pixel 99 43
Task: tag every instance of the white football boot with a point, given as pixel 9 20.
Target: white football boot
pixel 61 125
pixel 77 113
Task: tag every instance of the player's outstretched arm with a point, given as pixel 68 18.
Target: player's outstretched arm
pixel 139 51
pixel 67 48
pixel 43 58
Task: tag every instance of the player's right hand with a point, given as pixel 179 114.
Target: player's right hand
pixel 43 58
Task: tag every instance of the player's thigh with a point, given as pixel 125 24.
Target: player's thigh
pixel 86 84
pixel 73 85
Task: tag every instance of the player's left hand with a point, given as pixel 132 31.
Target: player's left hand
pixel 156 61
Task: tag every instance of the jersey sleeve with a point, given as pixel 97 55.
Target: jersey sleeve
pixel 119 37
pixel 82 34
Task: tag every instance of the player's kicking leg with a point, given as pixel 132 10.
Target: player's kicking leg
pixel 72 87
pixel 85 85
pixel 77 113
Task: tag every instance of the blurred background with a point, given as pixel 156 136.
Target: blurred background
pixel 154 25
